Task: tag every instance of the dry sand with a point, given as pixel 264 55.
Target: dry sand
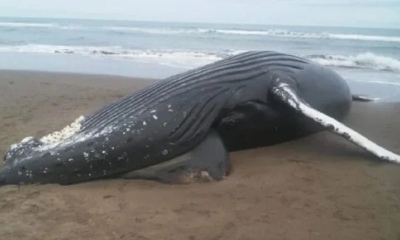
pixel 319 187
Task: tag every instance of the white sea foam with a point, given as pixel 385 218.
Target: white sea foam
pixel 365 37
pixel 175 58
pixel 365 60
pixel 322 35
pixel 298 34
pixel 189 59
pixel 185 59
pixel 267 32
pixel 273 33
pixel 40 25
pixel 174 30
pixel 154 30
pixel 40 48
pixel 27 24
pixel 397 84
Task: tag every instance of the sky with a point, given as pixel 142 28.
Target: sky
pixel 352 13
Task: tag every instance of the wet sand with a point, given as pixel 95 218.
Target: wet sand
pixel 319 187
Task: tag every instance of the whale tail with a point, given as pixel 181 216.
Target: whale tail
pixel 362 98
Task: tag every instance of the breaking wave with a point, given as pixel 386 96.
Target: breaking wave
pixel 364 60
pixel 176 30
pixel 269 33
pixel 174 58
pixel 190 58
pixel 160 31
pixel 397 84
pixel 295 34
pixel 39 25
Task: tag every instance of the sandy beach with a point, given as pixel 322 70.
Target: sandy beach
pixel 318 187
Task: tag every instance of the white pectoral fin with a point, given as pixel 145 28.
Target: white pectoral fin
pixel 286 94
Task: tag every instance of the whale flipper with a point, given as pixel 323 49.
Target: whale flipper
pixel 206 162
pixel 285 92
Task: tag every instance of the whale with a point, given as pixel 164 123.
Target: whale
pixel 181 128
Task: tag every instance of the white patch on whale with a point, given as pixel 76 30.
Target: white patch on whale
pixel 75 139
pixel 64 133
pixel 16 145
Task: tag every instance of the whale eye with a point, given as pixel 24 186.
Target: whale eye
pixel 90 144
pixel 129 140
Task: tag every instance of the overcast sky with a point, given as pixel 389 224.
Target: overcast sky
pixel 364 13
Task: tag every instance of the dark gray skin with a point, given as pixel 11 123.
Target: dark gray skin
pixel 231 98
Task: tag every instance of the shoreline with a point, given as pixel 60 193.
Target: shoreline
pixel 71 63
pixel 318 187
pixel 383 91
pixel 78 74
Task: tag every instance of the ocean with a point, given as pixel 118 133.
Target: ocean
pixel 368 58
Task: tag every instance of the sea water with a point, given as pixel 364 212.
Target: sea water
pixel 368 58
